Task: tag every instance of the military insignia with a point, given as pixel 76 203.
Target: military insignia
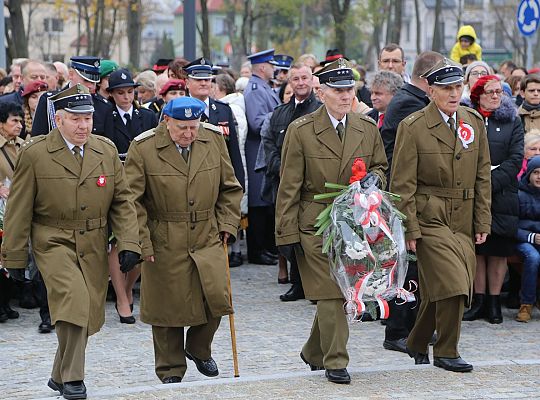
pixel 253 86
pixel 342 63
pixel 101 181
pixel 123 76
pixel 96 64
pixel 203 61
pixel 188 113
pixel 465 134
pixel 213 107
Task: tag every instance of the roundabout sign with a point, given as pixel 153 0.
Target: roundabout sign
pixel 528 16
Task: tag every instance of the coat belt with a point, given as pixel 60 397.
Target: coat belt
pixel 71 224
pixel 308 196
pixel 180 216
pixel 450 193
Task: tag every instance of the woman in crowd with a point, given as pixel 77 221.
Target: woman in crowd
pixel 147 86
pixel 31 94
pixel 106 68
pixel 473 72
pixel 129 120
pixel 11 119
pixel 505 137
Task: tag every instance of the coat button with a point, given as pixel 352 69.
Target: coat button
pixel 458 157
pixel 279 232
pixel 83 207
pixel 81 232
pixel 458 183
pixel 192 227
pixel 192 250
pixel 81 254
pixel 191 202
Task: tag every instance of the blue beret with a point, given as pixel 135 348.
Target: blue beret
pixel 185 108
pixel 264 56
pixel 87 67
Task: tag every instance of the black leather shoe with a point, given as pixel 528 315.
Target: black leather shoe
pixel 172 379
pixel 235 259
pixel 263 259
pixel 205 367
pixel 57 387
pixel 419 358
pixel 74 390
pixel 12 314
pixel 3 316
pixel 296 292
pixel 396 345
pixel 452 364
pixel 45 326
pixel 338 375
pixel 125 320
pixel 270 254
pixel 313 367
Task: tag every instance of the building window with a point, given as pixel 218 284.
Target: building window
pixel 51 25
pixel 473 3
pixel 219 26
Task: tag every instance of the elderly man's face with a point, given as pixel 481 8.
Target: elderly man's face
pixel 446 97
pixel 301 82
pixel 183 133
pixel 16 75
pixel 338 101
pixel 199 88
pixel 34 71
pixel 380 97
pixel 76 128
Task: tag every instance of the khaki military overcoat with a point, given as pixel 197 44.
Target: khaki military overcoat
pixel 64 208
pixel 11 148
pixel 312 155
pixel 446 196
pixel 181 210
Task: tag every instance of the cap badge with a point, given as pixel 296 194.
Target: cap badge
pixel 123 76
pixel 188 113
pixel 341 63
pixel 96 64
pixel 203 62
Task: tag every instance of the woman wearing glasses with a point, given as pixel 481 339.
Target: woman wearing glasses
pixel 474 71
pixel 505 137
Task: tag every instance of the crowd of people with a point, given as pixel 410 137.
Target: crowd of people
pixel 198 155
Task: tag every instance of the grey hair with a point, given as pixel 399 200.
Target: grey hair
pixel 531 137
pixel 387 79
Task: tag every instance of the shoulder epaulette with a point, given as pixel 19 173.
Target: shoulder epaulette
pixel 254 86
pixel 413 117
pixel 302 121
pixel 211 127
pixel 367 118
pixel 105 139
pixel 473 112
pixel 145 135
pixel 33 140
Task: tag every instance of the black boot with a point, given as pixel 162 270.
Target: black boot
pixel 494 309
pixel 477 310
pixel 27 299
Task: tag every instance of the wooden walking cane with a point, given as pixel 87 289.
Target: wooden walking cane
pixel 231 316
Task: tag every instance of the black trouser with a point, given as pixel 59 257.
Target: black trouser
pixel 260 230
pixel 41 295
pixel 295 274
pixel 403 316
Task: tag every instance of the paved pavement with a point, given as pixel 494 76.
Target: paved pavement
pixel 270 334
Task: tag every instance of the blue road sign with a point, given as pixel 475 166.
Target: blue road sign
pixel 528 16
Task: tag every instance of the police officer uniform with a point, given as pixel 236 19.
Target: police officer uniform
pixel 441 170
pixel 260 100
pixel 185 197
pixel 126 128
pixel 88 68
pixel 312 155
pixel 65 197
pixel 219 114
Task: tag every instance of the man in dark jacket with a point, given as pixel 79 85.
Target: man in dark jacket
pixel 412 97
pixel 302 102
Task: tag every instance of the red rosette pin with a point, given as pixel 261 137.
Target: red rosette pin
pixel 358 170
pixel 101 181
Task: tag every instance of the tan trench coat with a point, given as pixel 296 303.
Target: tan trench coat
pixel 11 148
pixel 446 196
pixel 60 206
pixel 181 212
pixel 312 155
pixel 531 119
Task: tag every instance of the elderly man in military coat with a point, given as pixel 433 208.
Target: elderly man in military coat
pixel 441 169
pixel 188 204
pixel 67 187
pixel 321 147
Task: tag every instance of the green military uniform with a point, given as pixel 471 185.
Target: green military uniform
pixel 62 208
pixel 9 150
pixel 182 207
pixel 446 193
pixel 312 155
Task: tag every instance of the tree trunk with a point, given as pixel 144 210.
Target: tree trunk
pixel 437 40
pixel 79 21
pixel 205 33
pixel 340 14
pixel 134 27
pixel 396 26
pixel 388 13
pixel 418 27
pixel 17 39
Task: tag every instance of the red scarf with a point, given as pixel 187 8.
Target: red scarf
pixel 484 113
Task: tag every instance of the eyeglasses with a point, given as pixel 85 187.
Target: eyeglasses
pixel 498 92
pixel 478 73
